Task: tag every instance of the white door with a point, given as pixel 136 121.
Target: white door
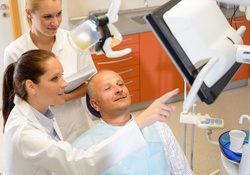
pixel 5 37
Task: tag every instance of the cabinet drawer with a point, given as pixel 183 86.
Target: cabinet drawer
pixel 111 63
pixel 135 96
pixel 129 39
pixel 132 83
pixel 127 72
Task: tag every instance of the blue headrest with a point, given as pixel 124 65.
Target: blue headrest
pixel 90 108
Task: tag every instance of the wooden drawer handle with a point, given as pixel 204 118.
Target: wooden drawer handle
pixel 113 62
pixel 129 82
pixel 124 72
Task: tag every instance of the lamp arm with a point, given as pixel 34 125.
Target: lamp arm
pixel 192 95
pixel 113 11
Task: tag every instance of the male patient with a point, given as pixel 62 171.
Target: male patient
pixel 110 99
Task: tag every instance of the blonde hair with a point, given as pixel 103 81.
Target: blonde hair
pixel 32 5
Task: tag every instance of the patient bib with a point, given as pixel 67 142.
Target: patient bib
pixel 150 160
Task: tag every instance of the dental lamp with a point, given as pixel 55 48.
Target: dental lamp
pixel 98 35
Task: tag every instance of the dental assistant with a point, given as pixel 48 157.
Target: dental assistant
pixel 32 140
pixel 44 18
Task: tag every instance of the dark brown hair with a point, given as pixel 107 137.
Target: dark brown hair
pixel 28 67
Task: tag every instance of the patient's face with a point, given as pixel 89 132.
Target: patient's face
pixel 112 96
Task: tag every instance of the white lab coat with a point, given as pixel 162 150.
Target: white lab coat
pixel 71 117
pixel 30 150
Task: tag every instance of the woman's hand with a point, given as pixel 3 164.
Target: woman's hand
pixel 157 111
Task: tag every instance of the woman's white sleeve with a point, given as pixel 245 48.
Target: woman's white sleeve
pixel 61 158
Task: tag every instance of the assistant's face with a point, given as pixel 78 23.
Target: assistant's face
pixel 111 92
pixel 47 18
pixel 50 90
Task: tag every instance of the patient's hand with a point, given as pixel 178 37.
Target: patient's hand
pixel 157 111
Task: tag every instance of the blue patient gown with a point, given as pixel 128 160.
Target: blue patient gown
pixel 150 160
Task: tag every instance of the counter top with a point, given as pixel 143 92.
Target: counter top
pixel 126 25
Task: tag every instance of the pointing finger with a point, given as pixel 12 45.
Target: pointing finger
pixel 168 95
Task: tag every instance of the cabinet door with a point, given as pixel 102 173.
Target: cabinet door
pixel 244 71
pixel 158 74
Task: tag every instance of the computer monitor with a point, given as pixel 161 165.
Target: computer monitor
pixel 192 32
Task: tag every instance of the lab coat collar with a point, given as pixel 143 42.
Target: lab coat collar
pixel 57 47
pixel 24 108
pixel 59 42
pixel 58 131
pixel 30 43
pixel 47 120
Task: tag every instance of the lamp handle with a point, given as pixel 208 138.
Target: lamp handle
pixel 113 54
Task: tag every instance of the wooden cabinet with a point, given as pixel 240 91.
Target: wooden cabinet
pixel 127 66
pixel 158 74
pixel 244 71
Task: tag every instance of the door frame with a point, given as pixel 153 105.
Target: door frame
pixel 14 18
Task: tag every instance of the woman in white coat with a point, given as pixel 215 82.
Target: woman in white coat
pixel 44 18
pixel 32 140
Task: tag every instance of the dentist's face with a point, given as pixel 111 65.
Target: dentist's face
pixel 47 18
pixel 50 89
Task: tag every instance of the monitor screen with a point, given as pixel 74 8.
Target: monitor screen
pixel 188 51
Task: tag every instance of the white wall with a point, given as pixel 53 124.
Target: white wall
pixel 83 7
pixel 78 8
